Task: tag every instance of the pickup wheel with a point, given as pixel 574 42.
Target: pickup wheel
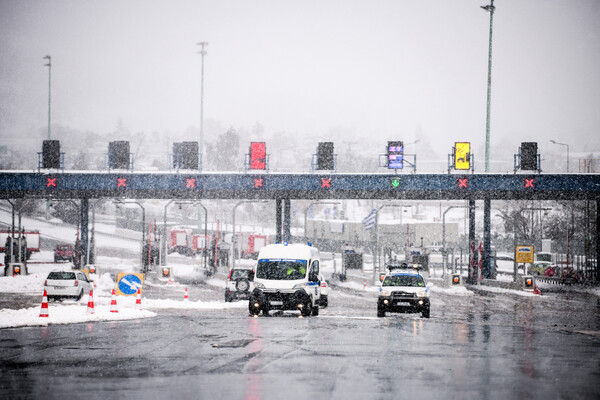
pixel 380 312
pixel 306 310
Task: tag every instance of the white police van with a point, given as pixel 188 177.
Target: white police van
pixel 286 278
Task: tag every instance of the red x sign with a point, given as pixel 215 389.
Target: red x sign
pixel 190 182
pixel 51 182
pixel 121 182
pixel 258 182
pixel 528 183
pixel 462 183
pixel 325 182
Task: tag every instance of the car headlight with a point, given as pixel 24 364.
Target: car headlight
pixel 422 293
pixel 299 286
pixel 259 285
pixel 385 293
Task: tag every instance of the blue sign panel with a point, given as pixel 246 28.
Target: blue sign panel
pixel 128 284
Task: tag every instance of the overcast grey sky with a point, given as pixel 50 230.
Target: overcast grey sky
pixel 379 69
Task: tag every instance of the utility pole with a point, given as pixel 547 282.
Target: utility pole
pixel 490 8
pixel 49 65
pixel 202 52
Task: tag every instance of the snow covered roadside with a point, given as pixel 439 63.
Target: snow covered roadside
pixel 66 314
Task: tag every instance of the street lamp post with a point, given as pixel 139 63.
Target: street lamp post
pixel 567 146
pixel 489 8
pixel 444 260
pixel 49 65
pixel 202 52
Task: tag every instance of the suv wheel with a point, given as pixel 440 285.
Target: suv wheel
pixel 425 313
pixel 380 312
pixel 242 285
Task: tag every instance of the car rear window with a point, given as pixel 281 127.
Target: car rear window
pixel 61 275
pixel 242 274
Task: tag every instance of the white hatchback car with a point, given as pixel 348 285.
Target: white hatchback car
pixel 61 284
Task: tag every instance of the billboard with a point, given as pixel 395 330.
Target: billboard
pixel 462 155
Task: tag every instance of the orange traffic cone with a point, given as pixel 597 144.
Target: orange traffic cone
pixel 185 297
pixel 138 300
pixel 90 308
pixel 113 302
pixel 44 309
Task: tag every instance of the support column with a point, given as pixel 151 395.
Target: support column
pixel 489 271
pixel 472 274
pixel 84 231
pixel 278 227
pixel 287 221
pixel 597 277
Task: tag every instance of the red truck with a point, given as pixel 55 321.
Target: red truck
pixel 63 252
pixel 181 241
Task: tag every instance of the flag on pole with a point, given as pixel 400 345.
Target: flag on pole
pixel 369 221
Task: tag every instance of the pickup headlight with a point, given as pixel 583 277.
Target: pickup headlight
pixel 299 286
pixel 422 293
pixel 259 285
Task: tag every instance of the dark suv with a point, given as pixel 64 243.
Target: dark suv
pixel 240 283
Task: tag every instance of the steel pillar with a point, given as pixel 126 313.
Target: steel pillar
pixel 597 277
pixel 287 221
pixel 472 274
pixel 85 206
pixel 488 267
pixel 278 221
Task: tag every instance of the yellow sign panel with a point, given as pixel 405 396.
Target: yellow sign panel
pixel 524 254
pixel 462 155
pixel 129 283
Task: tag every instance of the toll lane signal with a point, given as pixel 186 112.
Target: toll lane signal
pixel 395 182
pixel 529 183
pixel 121 182
pixel 463 182
pixel 50 182
pixel 326 182
pixel 190 182
pixel 259 182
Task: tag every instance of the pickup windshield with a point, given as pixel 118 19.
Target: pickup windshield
pixel 404 280
pixel 281 269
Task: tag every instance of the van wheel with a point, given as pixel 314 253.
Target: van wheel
pixel 306 310
pixel 315 311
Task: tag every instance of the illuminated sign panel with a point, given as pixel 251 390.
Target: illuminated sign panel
pixel 462 155
pixel 258 155
pixel 529 159
pixel 524 254
pixel 395 155
pixel 325 156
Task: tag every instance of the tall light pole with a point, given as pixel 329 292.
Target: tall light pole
pixel 202 52
pixel 49 65
pixel 563 144
pixel 490 8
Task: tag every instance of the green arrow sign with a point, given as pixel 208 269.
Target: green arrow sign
pixel 395 182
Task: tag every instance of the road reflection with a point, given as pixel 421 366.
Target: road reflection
pixel 253 377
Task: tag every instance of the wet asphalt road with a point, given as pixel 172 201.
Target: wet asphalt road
pixel 484 346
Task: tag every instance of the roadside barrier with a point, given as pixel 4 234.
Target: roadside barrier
pixel 138 300
pixel 90 307
pixel 113 302
pixel 44 308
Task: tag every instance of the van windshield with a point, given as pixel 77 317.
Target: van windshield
pixel 281 269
